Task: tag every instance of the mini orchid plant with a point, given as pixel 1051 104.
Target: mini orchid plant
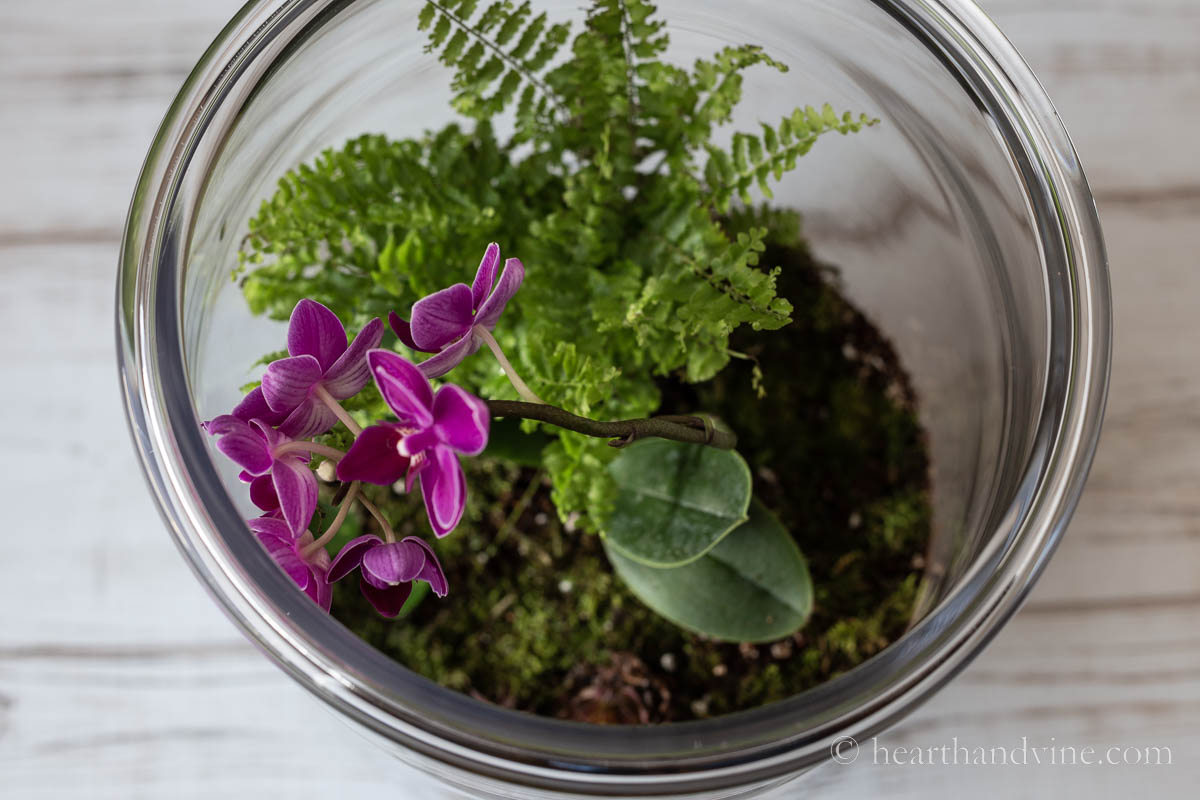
pixel 269 434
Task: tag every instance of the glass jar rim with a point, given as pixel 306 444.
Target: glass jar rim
pixel 445 726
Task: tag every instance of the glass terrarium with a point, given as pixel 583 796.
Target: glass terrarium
pixel 910 402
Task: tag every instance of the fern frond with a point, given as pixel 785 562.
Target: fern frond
pixel 493 52
pixel 681 108
pixel 367 225
pixel 720 80
pixel 755 160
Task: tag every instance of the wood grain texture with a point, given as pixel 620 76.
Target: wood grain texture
pixel 120 679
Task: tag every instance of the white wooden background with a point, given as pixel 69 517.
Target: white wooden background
pixel 120 679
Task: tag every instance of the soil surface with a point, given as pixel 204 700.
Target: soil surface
pixel 537 621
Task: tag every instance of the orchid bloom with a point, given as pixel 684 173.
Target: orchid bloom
pixel 308 570
pixel 263 495
pixel 298 390
pixel 254 406
pixel 262 453
pixel 455 321
pixel 424 442
pixel 388 570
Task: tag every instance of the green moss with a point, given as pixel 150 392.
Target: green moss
pixel 537 621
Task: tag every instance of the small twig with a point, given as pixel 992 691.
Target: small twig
pixel 696 430
pixel 342 414
pixel 325 451
pixel 339 494
pixel 388 534
pixel 518 383
pixel 328 535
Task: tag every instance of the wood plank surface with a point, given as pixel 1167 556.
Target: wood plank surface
pixel 119 678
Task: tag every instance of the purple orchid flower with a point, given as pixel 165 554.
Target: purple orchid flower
pixel 321 363
pixel 308 571
pixel 254 406
pixel 260 451
pixel 429 432
pixel 389 569
pixel 263 495
pixel 448 322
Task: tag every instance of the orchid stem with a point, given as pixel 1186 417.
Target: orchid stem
pixel 513 378
pixel 679 428
pixel 325 451
pixel 388 534
pixel 338 519
pixel 325 397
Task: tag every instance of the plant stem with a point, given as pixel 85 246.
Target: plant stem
pixel 331 453
pixel 513 378
pixel 338 519
pixel 389 535
pixel 696 430
pixel 325 397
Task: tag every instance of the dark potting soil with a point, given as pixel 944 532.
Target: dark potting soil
pixel 536 620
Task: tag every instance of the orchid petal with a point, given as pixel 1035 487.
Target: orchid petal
pixel 246 449
pixel 315 331
pixel 376 582
pixel 374 456
pixel 268 526
pixel 350 556
pixel 419 441
pixel 394 562
pixel 310 418
pixel 262 493
pixel 403 332
pixel 388 602
pixel 296 486
pixel 254 406
pixel 416 466
pixel 272 437
pixel 226 423
pixel 431 572
pixel 282 550
pixel 287 381
pixel 448 359
pixel 510 280
pixel 445 490
pixel 323 593
pixel 461 420
pixel 285 556
pixel 349 374
pixel 406 391
pixel 442 317
pixel 485 276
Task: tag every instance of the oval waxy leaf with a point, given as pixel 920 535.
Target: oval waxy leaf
pixel 754 586
pixel 675 501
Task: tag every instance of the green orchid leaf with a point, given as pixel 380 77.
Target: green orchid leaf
pixel 754 586
pixel 675 501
